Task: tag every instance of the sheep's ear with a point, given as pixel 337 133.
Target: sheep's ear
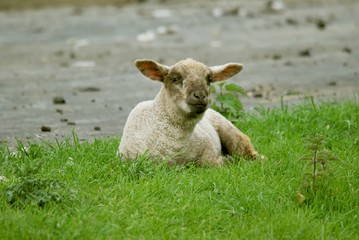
pixel 152 69
pixel 226 71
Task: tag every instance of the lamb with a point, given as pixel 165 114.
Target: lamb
pixel 177 126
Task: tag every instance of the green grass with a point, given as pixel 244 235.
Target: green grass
pixel 82 191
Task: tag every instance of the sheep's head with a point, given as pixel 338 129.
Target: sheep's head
pixel 188 82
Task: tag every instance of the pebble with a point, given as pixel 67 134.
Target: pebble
pixel 167 30
pixel 332 83
pixel 84 64
pixel 275 6
pixel 305 53
pixel 291 21
pixel 321 24
pixel 276 57
pixel 147 36
pixel 45 129
pixel 58 100
pixel 162 13
pixel 347 50
pixel 89 89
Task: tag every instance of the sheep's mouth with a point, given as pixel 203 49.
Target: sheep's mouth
pixel 198 107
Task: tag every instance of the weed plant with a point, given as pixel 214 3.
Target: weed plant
pixel 96 196
pixel 318 179
pixel 226 100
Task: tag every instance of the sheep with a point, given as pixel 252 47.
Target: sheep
pixel 178 126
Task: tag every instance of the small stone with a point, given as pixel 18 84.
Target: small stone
pixel 321 24
pixel 45 129
pixel 147 36
pixel 275 6
pixel 257 95
pixel 58 100
pixel 59 111
pixel 291 21
pixel 90 89
pixel 305 53
pixel 347 50
pixel 276 57
pixel 97 128
pixel 64 120
pixel 84 64
pixel 162 13
pixel 167 30
pixel 332 83
pixel 71 123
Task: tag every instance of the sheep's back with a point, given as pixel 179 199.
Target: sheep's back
pixel 137 129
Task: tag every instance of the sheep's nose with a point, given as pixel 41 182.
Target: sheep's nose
pixel 199 95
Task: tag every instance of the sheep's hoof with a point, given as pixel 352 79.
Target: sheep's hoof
pixel 261 157
pixel 258 157
pixel 228 158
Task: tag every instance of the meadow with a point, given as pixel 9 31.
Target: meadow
pixel 81 190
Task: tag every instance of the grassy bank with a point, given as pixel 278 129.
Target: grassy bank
pixel 68 190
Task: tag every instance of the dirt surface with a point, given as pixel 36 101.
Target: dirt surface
pixel 72 68
pixel 39 4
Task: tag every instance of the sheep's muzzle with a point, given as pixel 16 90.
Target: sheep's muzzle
pixel 198 101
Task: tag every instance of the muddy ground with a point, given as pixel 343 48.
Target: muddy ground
pixel 71 67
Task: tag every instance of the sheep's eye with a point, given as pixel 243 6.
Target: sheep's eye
pixel 176 78
pixel 209 78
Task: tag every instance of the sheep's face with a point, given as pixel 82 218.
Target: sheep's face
pixel 188 82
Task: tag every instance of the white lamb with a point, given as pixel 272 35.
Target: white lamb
pixel 177 125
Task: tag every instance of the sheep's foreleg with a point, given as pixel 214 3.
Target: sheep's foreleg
pixel 233 141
